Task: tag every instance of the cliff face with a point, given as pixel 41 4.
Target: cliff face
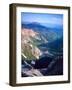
pixel 29 49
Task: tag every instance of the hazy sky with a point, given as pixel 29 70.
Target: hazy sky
pixel 45 19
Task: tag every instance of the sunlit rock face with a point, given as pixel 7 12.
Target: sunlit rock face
pixel 28 32
pixel 27 44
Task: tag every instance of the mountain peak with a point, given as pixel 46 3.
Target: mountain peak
pixel 37 23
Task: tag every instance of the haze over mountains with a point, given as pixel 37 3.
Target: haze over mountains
pixel 58 30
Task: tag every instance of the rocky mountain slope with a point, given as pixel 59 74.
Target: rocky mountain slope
pixel 41 50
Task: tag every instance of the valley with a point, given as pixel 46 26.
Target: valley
pixel 41 50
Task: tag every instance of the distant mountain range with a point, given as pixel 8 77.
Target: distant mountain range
pixel 48 32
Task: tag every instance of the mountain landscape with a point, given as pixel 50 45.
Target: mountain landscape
pixel 41 50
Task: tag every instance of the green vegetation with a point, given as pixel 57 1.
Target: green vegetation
pixel 37 42
pixel 27 52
